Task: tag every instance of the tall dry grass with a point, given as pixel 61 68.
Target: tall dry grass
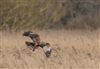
pixel 71 50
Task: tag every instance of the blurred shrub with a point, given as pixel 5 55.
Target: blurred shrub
pixel 47 14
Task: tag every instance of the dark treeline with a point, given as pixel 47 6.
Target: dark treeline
pixel 49 14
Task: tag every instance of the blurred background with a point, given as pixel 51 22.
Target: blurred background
pixel 19 15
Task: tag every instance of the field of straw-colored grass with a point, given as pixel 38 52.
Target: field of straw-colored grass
pixel 71 50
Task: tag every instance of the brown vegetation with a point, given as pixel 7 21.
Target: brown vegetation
pixel 44 14
pixel 71 50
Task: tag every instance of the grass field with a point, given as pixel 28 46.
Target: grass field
pixel 71 50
